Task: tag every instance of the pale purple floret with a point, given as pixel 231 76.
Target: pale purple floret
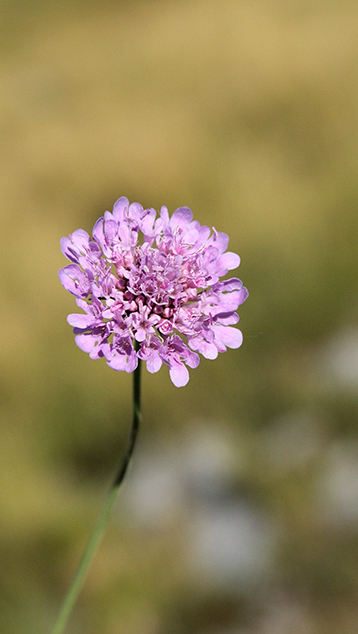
pixel 149 288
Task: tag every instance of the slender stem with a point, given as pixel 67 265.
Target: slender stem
pixel 98 530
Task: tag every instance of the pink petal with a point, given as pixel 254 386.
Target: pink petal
pixel 178 373
pixel 181 217
pixel 230 337
pixel 124 234
pixel 140 335
pixel 85 342
pixel 233 284
pixel 154 363
pixel 68 249
pixel 110 229
pixel 74 280
pixel 80 238
pixel 119 208
pixel 132 362
pixel 191 237
pixel 192 359
pixel 226 262
pixel 97 232
pixel 80 321
pixel 226 319
pixel 219 240
pixel 208 350
pixel 243 294
pixel 147 222
pixel 135 211
pixel 118 362
pixel 204 233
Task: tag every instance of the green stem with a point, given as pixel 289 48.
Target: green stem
pixel 98 530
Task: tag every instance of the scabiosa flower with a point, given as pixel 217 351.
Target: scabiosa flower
pixel 149 288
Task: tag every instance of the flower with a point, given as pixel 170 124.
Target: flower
pixel 144 283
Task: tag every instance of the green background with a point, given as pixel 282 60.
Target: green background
pixel 240 512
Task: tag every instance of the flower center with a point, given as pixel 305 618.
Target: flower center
pixel 147 290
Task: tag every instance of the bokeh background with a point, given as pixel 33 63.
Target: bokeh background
pixel 240 512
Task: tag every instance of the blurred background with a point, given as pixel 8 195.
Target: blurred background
pixel 240 512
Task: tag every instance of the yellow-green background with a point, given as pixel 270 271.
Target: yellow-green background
pixel 247 112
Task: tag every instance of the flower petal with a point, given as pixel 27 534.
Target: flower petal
pixel 181 217
pixel 98 232
pixel 219 240
pixel 80 238
pixel 74 280
pixel 226 262
pixel 86 342
pixel 118 362
pixel 110 230
pixel 80 321
pixel 120 207
pixel 230 337
pixel 178 373
pixel 226 319
pixel 208 350
pixel 154 363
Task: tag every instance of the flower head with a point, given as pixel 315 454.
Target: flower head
pixel 144 283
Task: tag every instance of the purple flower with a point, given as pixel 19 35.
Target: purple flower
pixel 149 288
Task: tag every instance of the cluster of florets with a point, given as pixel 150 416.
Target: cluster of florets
pixel 145 282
